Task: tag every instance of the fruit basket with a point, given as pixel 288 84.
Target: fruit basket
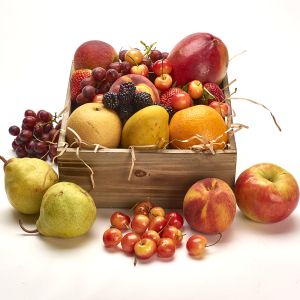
pixel 121 177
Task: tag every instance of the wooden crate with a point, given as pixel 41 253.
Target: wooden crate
pixel 162 176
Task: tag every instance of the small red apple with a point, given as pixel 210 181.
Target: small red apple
pixel 163 82
pixel 195 89
pixel 181 101
pixel 266 193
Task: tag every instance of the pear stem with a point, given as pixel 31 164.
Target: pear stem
pixel 27 230
pixel 3 159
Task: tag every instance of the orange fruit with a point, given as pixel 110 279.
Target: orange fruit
pixel 200 120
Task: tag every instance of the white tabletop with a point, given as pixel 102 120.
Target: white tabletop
pixel 252 261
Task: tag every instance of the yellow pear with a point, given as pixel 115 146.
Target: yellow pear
pixel 94 124
pixel 26 181
pixel 148 126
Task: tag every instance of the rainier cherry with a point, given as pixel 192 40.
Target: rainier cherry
pixel 181 101
pixel 140 223
pixel 195 89
pixel 157 223
pixel 143 208
pixel 120 220
pixel 144 248
pixel 156 211
pixel 152 235
pixel 112 237
pixel 134 56
pixel 128 241
pixel 174 219
pixel 163 82
pixel 173 233
pixel 162 66
pixel 166 247
pixel 196 245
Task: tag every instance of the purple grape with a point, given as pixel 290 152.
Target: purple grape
pixel 122 55
pixel 99 73
pixel 25 135
pixel 21 152
pixel 112 75
pixel 125 67
pixel 88 81
pixel 58 125
pixel 53 135
pixel 47 127
pixel 14 144
pixel 44 116
pixel 29 112
pixel 104 87
pixel 89 92
pixel 80 99
pixel 28 122
pixel 116 66
pixel 30 147
pixel 14 130
pixel 164 55
pixel 155 55
pixel 38 130
pixel 41 147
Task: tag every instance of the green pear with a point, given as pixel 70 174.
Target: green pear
pixel 67 211
pixel 26 181
pixel 148 126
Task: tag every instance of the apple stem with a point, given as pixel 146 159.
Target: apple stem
pixel 3 159
pixel 217 241
pixel 25 229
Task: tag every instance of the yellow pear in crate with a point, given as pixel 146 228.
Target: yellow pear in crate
pixel 149 126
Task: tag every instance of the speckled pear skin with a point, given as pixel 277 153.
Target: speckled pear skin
pixel 26 181
pixel 67 211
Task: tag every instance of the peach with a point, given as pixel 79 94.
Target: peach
pixel 92 54
pixel 209 206
pixel 142 84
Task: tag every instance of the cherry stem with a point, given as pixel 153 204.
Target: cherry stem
pixel 25 229
pixel 3 159
pixel 135 261
pixel 217 241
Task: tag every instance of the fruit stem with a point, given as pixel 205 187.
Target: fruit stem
pixel 27 230
pixel 3 159
pixel 217 241
pixel 135 261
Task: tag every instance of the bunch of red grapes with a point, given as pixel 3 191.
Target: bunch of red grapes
pixel 38 135
pixel 151 231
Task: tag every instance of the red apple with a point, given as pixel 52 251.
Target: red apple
pixel 163 82
pixel 145 248
pixel 162 66
pixel 222 108
pixel 200 56
pixel 181 101
pixel 140 70
pixel 195 89
pixel 142 83
pixel 92 54
pixel 209 206
pixel 266 193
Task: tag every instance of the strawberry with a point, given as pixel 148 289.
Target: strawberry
pixel 165 97
pixel 213 92
pixel 75 80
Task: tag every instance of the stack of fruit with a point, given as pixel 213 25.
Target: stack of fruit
pixel 185 83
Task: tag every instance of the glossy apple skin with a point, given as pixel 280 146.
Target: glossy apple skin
pixel 209 206
pixel 266 193
pixel 94 53
pixel 138 80
pixel 200 56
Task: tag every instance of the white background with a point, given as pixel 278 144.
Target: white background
pixel 252 261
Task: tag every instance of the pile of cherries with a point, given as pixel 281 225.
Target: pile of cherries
pixel 151 230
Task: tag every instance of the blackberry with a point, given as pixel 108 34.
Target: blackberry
pixel 125 112
pixel 142 100
pixel 126 92
pixel 169 110
pixel 110 100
